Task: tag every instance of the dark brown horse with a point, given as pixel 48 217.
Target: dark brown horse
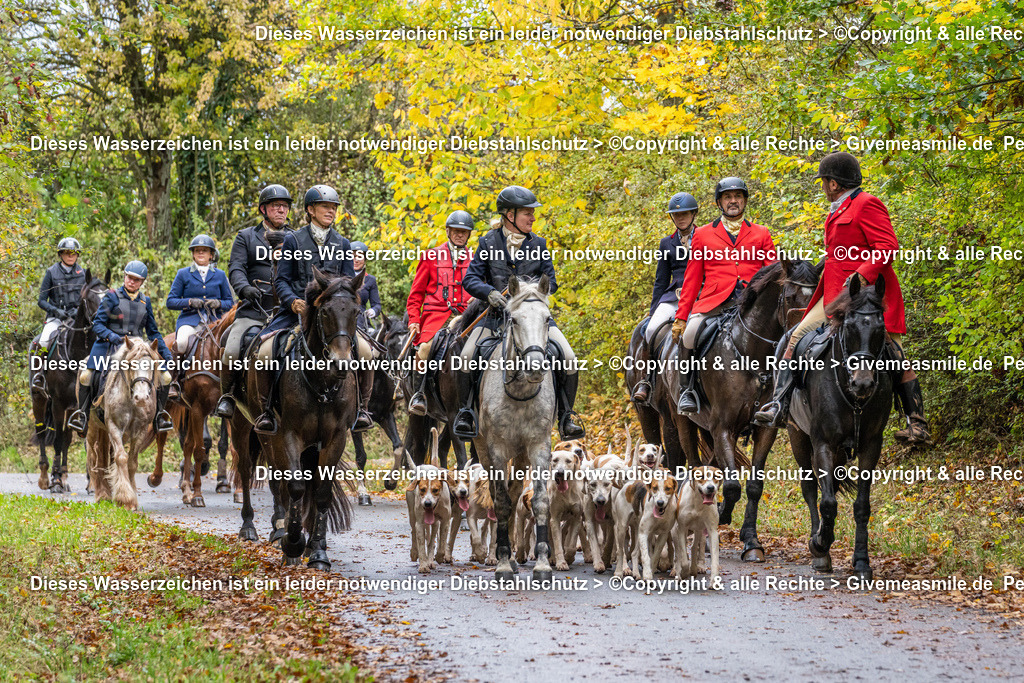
pixel 736 382
pixel 70 343
pixel 200 389
pixel 838 415
pixel 318 407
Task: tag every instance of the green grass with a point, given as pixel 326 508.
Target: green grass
pixel 167 635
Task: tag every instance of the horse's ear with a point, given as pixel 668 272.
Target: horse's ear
pixel 513 286
pixel 128 342
pixel 880 287
pixel 787 267
pixel 545 284
pixel 88 275
pixel 357 282
pixel 854 285
pixel 106 277
pixel 321 279
pixel 155 345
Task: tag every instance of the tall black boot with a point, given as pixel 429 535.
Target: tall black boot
pixel 568 420
pixel 418 402
pixel 39 376
pixel 687 404
pixel 162 421
pixel 79 419
pixel 226 404
pixel 916 433
pixel 364 382
pixel 266 423
pixel 643 388
pixel 774 413
pixel 465 425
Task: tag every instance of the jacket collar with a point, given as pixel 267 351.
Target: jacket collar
pixel 843 207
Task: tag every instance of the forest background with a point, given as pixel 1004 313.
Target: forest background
pixel 137 70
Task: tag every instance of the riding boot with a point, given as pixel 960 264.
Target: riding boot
pixel 266 423
pixel 688 404
pixel 642 390
pixel 226 403
pixel 162 421
pixel 39 378
pixel 364 380
pixel 916 433
pixel 465 425
pixel 418 402
pixel 80 418
pixel 776 411
pixel 568 424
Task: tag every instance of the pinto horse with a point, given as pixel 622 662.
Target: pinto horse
pixel 200 389
pixel 735 389
pixel 71 342
pixel 126 428
pixel 318 407
pixel 838 414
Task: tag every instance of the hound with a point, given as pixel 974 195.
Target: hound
pixel 603 476
pixel 565 496
pixel 428 498
pixel 657 519
pixel 698 513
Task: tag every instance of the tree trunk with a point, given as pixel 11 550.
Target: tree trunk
pixel 158 196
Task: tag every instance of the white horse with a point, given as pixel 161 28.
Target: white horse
pixel 129 406
pixel 517 413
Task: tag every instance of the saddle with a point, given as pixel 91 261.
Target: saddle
pixel 660 335
pixel 812 346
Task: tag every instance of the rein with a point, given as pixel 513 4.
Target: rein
pixel 856 405
pixel 518 352
pixel 302 349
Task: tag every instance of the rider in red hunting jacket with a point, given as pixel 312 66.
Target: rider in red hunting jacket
pixel 437 295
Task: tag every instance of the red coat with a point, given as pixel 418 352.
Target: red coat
pixel 716 264
pixel 860 224
pixel 437 291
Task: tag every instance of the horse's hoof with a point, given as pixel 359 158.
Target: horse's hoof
pixel 248 534
pixel 816 550
pixel 224 487
pixel 822 564
pixel 56 488
pixel 292 561
pixel 541 575
pixel 503 575
pixel 239 498
pixel 753 555
pixel 863 573
pixel 364 499
pixel 319 565
pixel 275 537
pixel 198 502
pixel 154 480
pixel 44 479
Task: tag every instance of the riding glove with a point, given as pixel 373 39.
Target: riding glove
pixel 495 299
pixel 195 303
pixel 678 327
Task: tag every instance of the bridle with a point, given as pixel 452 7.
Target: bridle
pixel 302 348
pixel 857 405
pixel 518 352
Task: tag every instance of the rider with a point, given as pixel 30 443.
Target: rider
pixel 58 296
pixel 724 255
pixel 368 292
pixel 673 255
pixel 437 294
pixel 251 272
pixel 124 312
pixel 196 288
pixel 511 248
pixel 857 227
pixel 314 244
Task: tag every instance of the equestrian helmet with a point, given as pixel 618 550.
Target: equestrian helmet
pixel 273 193
pixel 204 241
pixel 320 193
pixel 136 269
pixel 516 197
pixel 730 183
pixel 682 201
pixel 841 167
pixel 69 244
pixel 460 220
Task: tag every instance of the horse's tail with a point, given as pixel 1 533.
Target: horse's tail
pixel 706 446
pixel 339 512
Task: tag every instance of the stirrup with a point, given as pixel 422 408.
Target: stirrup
pixel 225 407
pixel 418 404
pixel 636 390
pixel 39 382
pixel 773 414
pixel 265 424
pixel 173 391
pixel 163 422
pixel 74 419
pixel 465 425
pixel 363 421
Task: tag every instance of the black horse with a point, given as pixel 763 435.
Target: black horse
pixel 734 389
pixel 837 414
pixel 382 400
pixel 318 408
pixel 70 343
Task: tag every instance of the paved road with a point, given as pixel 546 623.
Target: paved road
pixel 601 634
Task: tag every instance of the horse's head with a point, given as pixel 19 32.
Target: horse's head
pixel 89 299
pixel 332 306
pixel 141 364
pixel 393 334
pixel 859 316
pixel 528 322
pixel 779 289
pixel 801 279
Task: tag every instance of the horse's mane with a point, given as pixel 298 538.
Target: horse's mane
pixel 844 303
pixel 220 324
pixel 774 273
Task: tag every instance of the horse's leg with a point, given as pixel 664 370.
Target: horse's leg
pixel 58 474
pixel 293 542
pixel 725 453
pixel 867 462
pixel 764 438
pixel 322 491
pixel 245 451
pixel 222 462
pixel 361 492
pixel 117 475
pixel 822 539
pixel 41 410
pixel 188 448
pixel 803 452
pixel 495 464
pixel 157 476
pixel 541 462
pixel 207 443
pixel 201 458
pixel 390 428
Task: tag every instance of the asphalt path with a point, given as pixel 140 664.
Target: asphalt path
pixel 595 632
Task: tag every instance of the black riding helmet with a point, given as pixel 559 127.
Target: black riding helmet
pixel 516 197
pixel 273 193
pixel 841 167
pixel 459 219
pixel 730 183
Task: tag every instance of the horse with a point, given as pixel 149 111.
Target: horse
pixel 655 416
pixel 200 389
pixel 516 416
pixel 737 380
pixel 838 413
pixel 317 410
pixel 391 335
pixel 69 344
pixel 442 404
pixel 126 428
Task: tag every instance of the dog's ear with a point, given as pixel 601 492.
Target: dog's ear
pixel 660 457
pixel 412 485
